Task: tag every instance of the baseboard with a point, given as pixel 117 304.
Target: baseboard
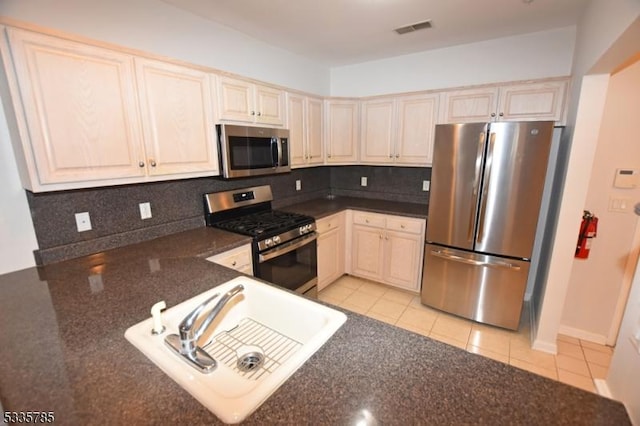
pixel 549 347
pixel 582 335
pixel 602 388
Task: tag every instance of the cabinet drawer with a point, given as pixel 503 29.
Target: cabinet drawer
pixel 369 219
pixel 238 259
pixel 330 222
pixel 403 224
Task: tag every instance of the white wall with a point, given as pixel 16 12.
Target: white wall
pixel 157 27
pixel 528 56
pixel 596 283
pixel 602 24
pixel 17 237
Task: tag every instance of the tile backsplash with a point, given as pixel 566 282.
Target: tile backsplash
pixel 177 205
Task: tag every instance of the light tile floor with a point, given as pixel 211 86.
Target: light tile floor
pixel 577 362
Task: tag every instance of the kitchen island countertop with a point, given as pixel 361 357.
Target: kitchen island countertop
pixel 62 349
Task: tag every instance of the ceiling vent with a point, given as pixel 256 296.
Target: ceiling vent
pixel 414 27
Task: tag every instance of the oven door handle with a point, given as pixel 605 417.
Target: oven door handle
pixel 287 247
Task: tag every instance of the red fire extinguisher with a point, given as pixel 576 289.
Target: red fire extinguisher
pixel 588 230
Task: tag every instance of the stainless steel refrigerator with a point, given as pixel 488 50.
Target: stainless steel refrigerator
pixel 487 182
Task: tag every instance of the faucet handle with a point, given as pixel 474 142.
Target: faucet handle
pixel 186 325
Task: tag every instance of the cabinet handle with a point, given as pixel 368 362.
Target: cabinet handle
pixel 402 226
pixel 329 155
pixel 253 113
pixel 366 220
pixel 390 155
pixel 501 114
pixel 234 263
pixel 259 114
pixel 141 164
pixel 152 162
pixel 381 235
pixel 397 155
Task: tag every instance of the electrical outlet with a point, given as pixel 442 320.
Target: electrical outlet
pixel 363 181
pixel 145 210
pixel 298 185
pixel 426 185
pixel 83 221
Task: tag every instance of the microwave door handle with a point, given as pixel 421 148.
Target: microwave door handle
pixel 274 152
pixel 279 142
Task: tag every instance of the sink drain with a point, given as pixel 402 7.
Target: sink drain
pixel 250 358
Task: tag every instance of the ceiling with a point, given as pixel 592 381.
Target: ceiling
pixel 342 32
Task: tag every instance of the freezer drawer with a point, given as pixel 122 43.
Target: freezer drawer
pixel 483 288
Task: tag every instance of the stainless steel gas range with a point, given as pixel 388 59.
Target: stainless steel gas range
pixel 284 244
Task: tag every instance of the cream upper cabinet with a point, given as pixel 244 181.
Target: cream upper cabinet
pixel 242 101
pixel 315 131
pixel 377 131
pixel 177 118
pixel 471 105
pixel 388 248
pixel 341 131
pixel 398 130
pixel 534 101
pixel 89 116
pixel 304 121
pixel 80 122
pixel 417 116
pixel 516 102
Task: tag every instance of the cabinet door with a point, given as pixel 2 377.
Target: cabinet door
pixel 417 116
pixel 403 259
pixel 367 247
pixel 80 109
pixel 470 106
pixel 177 119
pixel 239 259
pixel 330 257
pixel 342 131
pixel 269 106
pixel 529 102
pixel 296 124
pixel 315 147
pixel 377 128
pixel 235 100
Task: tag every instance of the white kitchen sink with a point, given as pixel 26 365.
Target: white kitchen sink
pixel 261 321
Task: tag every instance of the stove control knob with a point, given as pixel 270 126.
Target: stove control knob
pixel 276 240
pixel 268 242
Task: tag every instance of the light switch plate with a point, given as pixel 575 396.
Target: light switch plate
pixel 83 221
pixel 426 185
pixel 619 204
pixel 298 185
pixel 363 181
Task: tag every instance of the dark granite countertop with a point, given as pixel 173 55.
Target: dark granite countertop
pixel 321 207
pixel 62 349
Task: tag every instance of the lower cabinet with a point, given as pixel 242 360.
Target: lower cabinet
pixel 238 259
pixel 331 248
pixel 388 249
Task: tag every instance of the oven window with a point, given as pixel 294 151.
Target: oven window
pixel 250 153
pixel 291 270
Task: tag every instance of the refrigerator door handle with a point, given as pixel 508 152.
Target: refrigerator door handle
pixel 485 187
pixel 476 184
pixel 455 258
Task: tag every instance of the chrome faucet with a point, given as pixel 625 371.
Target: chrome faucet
pixel 186 344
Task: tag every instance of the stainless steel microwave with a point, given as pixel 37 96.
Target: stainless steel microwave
pixel 252 151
